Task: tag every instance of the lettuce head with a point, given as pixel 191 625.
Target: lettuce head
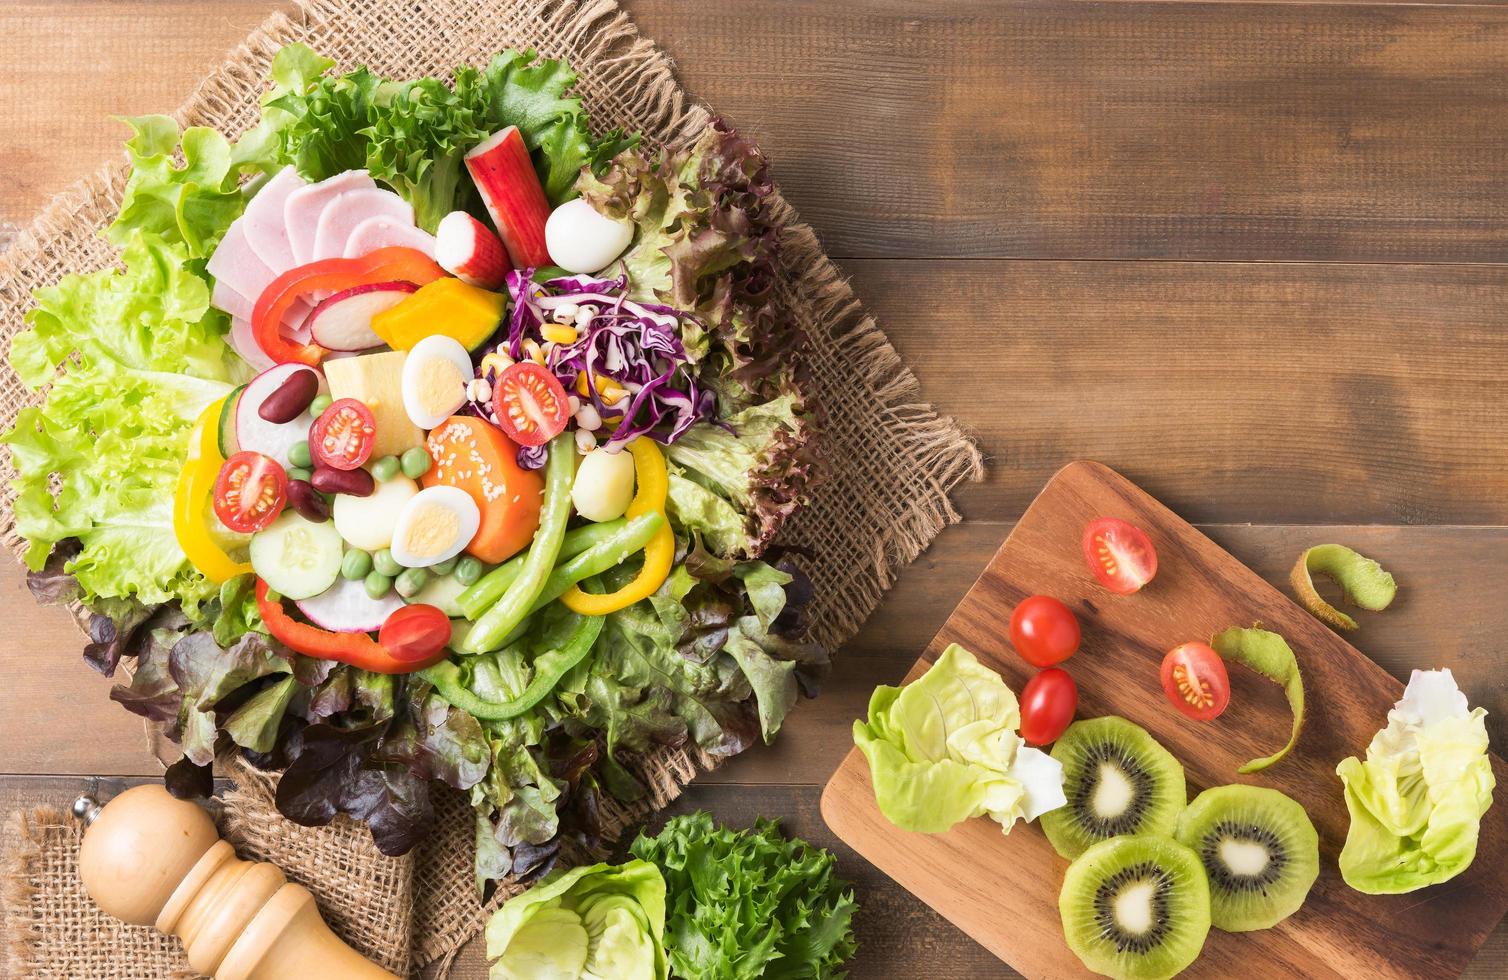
pixel 1417 801
pixel 944 748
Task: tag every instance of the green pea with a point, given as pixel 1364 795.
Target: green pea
pixel 411 581
pixel 299 455
pixel 298 473
pixel 355 564
pixel 445 567
pixel 378 584
pixel 384 563
pixel 385 468
pixel 468 570
pixel 320 403
pixel 415 462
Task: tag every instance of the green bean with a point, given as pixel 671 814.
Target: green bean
pixel 385 468
pixel 469 570
pixel 378 584
pixel 299 455
pixel 487 590
pixel 549 668
pixel 384 562
pixel 415 462
pixel 509 611
pixel 410 581
pixel 320 403
pixel 355 564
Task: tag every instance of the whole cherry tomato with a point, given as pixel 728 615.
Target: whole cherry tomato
pixel 415 633
pixel 1047 706
pixel 1044 631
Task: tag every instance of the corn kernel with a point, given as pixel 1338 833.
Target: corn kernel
pixel 497 362
pixel 534 352
pixel 558 333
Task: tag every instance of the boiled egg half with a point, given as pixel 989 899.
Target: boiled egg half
pixel 435 374
pixel 435 525
pixel 580 239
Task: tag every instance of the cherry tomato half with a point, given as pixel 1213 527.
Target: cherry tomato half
pixel 1120 554
pixel 415 632
pixel 1195 681
pixel 1044 631
pixel 1047 706
pixel 530 404
pixel 250 492
pixel 343 436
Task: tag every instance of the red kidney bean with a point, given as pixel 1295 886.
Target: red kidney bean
pixel 291 397
pixel 304 499
pixel 357 482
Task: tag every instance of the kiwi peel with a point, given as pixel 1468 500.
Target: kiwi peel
pixel 1365 583
pixel 1118 781
pixel 1259 850
pixel 1136 908
pixel 1268 654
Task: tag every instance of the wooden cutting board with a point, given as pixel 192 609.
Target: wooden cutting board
pixel 1003 890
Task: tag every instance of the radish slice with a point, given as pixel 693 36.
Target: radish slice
pixel 344 321
pixel 345 607
pixel 244 342
pixel 258 435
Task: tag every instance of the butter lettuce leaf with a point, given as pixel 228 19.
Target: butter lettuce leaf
pixel 1417 800
pixel 943 749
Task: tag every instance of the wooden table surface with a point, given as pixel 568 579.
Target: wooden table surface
pixel 1253 255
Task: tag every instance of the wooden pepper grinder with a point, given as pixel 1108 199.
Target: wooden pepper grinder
pixel 150 859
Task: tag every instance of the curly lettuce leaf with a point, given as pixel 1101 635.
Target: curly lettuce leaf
pixel 1417 801
pixel 112 432
pixel 749 904
pixel 942 750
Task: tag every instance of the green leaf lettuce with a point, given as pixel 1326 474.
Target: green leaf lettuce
pixel 1417 801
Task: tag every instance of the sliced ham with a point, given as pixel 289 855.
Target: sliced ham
pixel 244 343
pixel 265 229
pixel 302 209
pixel 235 266
pixel 232 302
pixel 343 214
pixel 375 233
pixel 226 297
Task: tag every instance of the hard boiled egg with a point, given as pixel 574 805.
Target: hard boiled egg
pixel 437 524
pixel 580 239
pixel 434 380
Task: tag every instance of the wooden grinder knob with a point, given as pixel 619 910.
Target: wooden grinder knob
pixel 150 859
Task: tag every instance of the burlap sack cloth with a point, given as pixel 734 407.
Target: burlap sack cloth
pixel 893 463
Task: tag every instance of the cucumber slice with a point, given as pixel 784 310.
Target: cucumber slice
pixel 441 592
pixel 228 444
pixel 297 558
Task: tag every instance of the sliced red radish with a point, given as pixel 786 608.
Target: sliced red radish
pixel 345 607
pixel 344 321
pixel 504 174
pixel 258 435
pixel 468 250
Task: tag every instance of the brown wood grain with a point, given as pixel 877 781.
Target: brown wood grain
pixel 1199 591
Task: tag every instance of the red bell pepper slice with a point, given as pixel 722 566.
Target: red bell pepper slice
pixel 396 263
pixel 356 649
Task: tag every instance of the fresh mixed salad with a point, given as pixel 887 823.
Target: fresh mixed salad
pixel 424 434
pixel 1150 871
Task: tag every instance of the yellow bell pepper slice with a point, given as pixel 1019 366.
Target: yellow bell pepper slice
pixel 196 483
pixel 659 555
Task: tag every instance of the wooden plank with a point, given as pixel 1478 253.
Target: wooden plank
pixel 970 128
pixel 1199 591
pixel 1273 393
pixel 1118 130
pixel 1448 614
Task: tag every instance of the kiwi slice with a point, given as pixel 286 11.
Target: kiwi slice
pixel 1118 781
pixel 1259 850
pixel 1137 908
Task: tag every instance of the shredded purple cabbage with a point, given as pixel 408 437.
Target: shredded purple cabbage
pixel 638 345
